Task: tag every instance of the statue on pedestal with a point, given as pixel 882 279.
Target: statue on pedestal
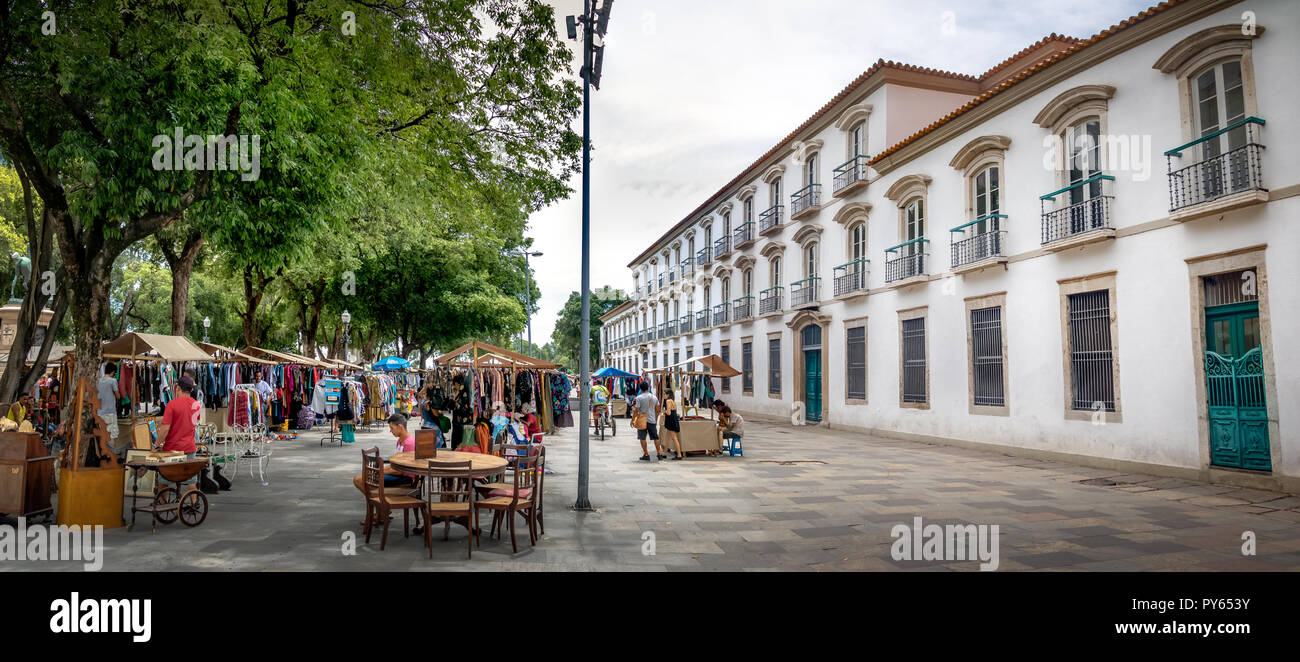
pixel 22 269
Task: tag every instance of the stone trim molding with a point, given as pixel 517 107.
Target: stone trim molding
pixel 852 211
pixel 773 173
pixel 806 234
pixel 906 187
pixel 1221 40
pixel 1083 96
pixel 977 148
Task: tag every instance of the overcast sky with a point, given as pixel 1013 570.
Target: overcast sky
pixel 695 90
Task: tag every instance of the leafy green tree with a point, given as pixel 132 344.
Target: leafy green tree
pixel 567 335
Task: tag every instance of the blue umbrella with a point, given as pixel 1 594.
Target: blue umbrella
pixel 610 371
pixel 392 363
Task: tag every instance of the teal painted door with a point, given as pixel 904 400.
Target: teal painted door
pixel 812 379
pixel 1234 375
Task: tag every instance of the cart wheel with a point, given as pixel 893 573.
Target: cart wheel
pixel 165 497
pixel 600 427
pixel 194 508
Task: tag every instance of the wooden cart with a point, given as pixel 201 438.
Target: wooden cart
pixel 166 503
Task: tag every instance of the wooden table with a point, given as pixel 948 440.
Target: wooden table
pixel 482 465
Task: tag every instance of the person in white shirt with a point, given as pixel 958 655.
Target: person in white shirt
pixel 648 405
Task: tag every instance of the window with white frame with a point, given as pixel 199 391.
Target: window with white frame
pixel 810 170
pixel 776 271
pixel 810 260
pixel 774 192
pixel 858 140
pixel 748 282
pixel 914 225
pixel 747 209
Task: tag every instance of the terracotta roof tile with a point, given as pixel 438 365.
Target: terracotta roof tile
pixel 1037 67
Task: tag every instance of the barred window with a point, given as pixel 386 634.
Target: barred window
pixel 914 386
pixel 747 363
pixel 986 356
pixel 724 353
pixel 1091 367
pixel 774 366
pixel 856 355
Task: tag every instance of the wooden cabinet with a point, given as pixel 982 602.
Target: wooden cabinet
pixel 26 474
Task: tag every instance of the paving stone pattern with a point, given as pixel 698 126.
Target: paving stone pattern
pixel 803 499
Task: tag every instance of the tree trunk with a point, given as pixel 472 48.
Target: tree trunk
pixel 43 356
pixel 40 247
pixel 182 266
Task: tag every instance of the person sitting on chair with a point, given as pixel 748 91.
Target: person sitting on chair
pixel 405 444
pixel 734 425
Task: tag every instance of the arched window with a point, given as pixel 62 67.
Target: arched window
pixel 1083 151
pixel 726 223
pixel 914 225
pixel 776 272
pixel 726 290
pixel 748 282
pixel 986 193
pixel 708 236
pixel 708 300
pixel 690 247
pixel 858 140
pixel 810 171
pixel 858 242
pixel 747 208
pixel 810 260
pixel 774 192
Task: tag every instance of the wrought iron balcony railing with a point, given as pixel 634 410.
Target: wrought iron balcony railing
pixel 742 308
pixel 980 239
pixel 769 300
pixel 661 281
pixel 720 312
pixel 1087 209
pixel 670 329
pixel 1219 173
pixel 851 277
pixel 704 256
pixel 688 267
pixel 906 260
pixel 771 219
pixel 743 236
pixel 850 172
pixel 684 324
pixel 805 198
pixel 722 247
pixel 701 320
pixel 804 291
pixel 672 275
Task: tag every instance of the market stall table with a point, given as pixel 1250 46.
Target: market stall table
pixel 697 434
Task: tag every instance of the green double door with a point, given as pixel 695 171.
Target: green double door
pixel 1234 376
pixel 811 343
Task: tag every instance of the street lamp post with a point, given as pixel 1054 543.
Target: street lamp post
pixel 592 59
pixel 528 290
pixel 207 324
pixel 347 321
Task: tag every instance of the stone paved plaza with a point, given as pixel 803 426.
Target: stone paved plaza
pixel 803 499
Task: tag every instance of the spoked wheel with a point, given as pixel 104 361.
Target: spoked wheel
pixel 613 427
pixel 194 508
pixel 600 426
pixel 164 498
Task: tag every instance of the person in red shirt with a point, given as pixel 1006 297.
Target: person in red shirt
pixel 180 417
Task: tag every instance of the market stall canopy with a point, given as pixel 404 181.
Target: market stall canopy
pixel 344 365
pixel 282 357
pixel 710 362
pixel 611 371
pixel 307 360
pixel 168 348
pixel 485 355
pixel 392 363
pixel 227 354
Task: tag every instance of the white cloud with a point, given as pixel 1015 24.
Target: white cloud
pixel 694 91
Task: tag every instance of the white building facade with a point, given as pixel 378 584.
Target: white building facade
pixel 1083 253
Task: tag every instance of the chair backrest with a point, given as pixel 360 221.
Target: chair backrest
pixel 449 481
pixel 526 470
pixel 426 444
pixel 372 473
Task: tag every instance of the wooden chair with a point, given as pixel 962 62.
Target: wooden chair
pixel 450 496
pixel 512 453
pixel 520 498
pixel 381 505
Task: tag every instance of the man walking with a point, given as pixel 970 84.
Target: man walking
pixel 648 405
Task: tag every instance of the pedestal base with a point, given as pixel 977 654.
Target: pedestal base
pixel 91 497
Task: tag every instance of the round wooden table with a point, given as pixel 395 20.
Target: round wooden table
pixel 482 465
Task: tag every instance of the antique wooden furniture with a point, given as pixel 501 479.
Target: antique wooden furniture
pixel 166 503
pixel 480 464
pixel 26 475
pixel 90 478
pixel 426 444
pixel 449 496
pixel 380 504
pixel 520 498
